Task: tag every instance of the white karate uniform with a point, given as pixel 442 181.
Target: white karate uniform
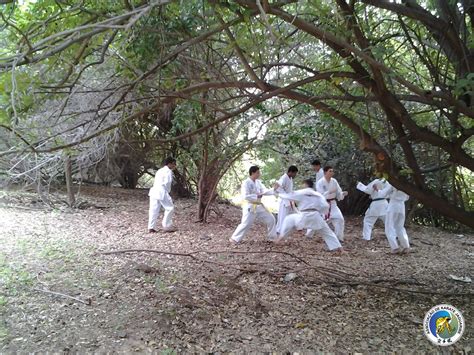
pixel 332 191
pixel 311 206
pixel 319 175
pixel 160 197
pixel 284 207
pixel 395 217
pixel 252 210
pixel 377 208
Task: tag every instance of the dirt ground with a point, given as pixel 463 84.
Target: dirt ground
pixel 214 297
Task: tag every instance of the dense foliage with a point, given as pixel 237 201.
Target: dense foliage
pixel 214 82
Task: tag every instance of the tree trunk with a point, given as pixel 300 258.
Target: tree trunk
pixel 129 172
pixel 207 191
pixel 71 200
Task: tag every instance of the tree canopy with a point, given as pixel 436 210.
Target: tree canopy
pixel 208 81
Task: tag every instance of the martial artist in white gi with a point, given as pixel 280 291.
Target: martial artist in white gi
pixel 395 219
pixel 311 206
pixel 160 197
pixel 330 189
pixel 319 173
pixel 377 208
pixel 252 208
pixel 285 185
pixel 317 168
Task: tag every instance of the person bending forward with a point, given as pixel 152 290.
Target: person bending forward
pixel 311 206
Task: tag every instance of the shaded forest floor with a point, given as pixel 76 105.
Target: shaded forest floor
pixel 216 297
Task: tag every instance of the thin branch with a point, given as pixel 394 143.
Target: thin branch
pixel 88 302
pixel 225 117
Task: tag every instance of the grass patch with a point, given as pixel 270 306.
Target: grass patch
pixel 3 333
pixel 161 286
pixel 13 278
pixel 25 245
pixel 3 303
pixel 58 251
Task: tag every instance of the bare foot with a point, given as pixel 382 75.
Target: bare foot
pixel 405 251
pixel 151 231
pixel 338 252
pixel 234 242
pixel 395 251
pixel 279 241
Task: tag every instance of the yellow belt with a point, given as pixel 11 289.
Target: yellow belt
pixel 254 205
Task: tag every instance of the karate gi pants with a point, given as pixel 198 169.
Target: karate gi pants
pixel 314 222
pixel 154 211
pixel 283 211
pixel 250 214
pixel 395 229
pixel 376 210
pixel 336 219
pixel 369 222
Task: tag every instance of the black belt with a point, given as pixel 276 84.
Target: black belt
pixel 309 210
pixel 328 215
pixel 378 199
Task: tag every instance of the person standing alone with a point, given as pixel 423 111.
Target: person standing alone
pixel 160 197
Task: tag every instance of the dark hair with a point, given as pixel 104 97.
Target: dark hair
pixel 253 169
pixel 327 167
pixel 292 169
pixel 309 182
pixel 316 162
pixel 170 160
